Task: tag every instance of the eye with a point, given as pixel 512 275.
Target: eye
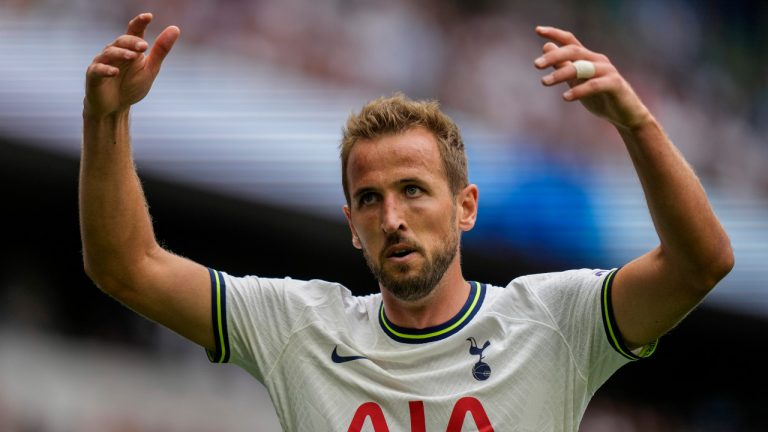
pixel 366 199
pixel 412 191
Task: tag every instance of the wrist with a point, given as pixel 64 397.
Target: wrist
pixel 646 129
pixel 105 127
pixel 642 121
pixel 111 117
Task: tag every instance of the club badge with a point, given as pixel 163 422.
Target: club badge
pixel 481 371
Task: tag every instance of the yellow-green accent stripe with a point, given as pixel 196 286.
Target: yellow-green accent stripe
pixel 607 316
pixel 220 352
pixel 461 321
pixel 219 314
pixel 612 330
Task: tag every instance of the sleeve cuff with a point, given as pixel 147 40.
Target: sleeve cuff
pixel 612 330
pixel 220 354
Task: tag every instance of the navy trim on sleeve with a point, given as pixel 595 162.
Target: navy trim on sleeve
pixel 220 354
pixel 612 330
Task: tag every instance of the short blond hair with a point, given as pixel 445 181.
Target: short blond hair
pixel 397 114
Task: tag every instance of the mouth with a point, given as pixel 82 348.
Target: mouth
pixel 399 252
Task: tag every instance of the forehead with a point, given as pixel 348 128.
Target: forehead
pixel 411 154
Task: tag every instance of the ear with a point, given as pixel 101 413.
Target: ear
pixel 467 207
pixel 355 239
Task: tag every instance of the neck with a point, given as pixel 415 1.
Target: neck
pixel 439 306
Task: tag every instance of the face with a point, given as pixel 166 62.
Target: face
pixel 402 213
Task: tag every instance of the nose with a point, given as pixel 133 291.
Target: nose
pixel 391 215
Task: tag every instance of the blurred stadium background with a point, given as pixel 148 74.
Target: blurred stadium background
pixel 236 145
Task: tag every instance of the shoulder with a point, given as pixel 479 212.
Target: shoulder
pixel 545 288
pixel 566 278
pixel 312 292
pixel 561 280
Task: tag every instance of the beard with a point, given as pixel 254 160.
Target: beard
pixel 414 287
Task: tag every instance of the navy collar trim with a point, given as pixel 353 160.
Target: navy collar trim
pixel 442 331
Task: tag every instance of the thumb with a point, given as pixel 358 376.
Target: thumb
pixel 161 48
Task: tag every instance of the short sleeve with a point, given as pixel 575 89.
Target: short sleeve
pixel 253 319
pixel 579 304
pixel 612 330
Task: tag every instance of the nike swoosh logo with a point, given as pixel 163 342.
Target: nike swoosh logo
pixel 343 359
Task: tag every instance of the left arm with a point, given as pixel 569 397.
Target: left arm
pixel 652 293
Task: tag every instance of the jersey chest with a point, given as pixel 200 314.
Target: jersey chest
pixel 488 375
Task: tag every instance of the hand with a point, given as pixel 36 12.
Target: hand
pixel 121 74
pixel 607 94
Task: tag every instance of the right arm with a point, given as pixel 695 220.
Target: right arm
pixel 120 252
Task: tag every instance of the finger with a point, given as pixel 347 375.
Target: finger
pixel 589 87
pixel 115 55
pixel 138 24
pixel 555 34
pixel 568 74
pixel 561 55
pixel 97 72
pixel 549 47
pixel 130 42
pixel 162 47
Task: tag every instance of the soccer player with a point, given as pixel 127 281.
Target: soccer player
pixel 432 351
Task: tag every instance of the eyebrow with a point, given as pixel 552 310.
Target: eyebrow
pixel 402 181
pixel 410 180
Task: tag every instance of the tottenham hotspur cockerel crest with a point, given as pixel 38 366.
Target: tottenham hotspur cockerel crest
pixel 481 371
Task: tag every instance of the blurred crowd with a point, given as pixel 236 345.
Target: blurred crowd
pixel 701 66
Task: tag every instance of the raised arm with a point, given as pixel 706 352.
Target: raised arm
pixel 654 292
pixel 120 252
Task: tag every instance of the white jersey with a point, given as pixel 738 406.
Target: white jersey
pixel 527 357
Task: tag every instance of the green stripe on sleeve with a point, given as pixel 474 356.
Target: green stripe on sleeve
pixel 220 353
pixel 612 330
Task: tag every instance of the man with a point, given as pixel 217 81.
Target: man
pixel 431 347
